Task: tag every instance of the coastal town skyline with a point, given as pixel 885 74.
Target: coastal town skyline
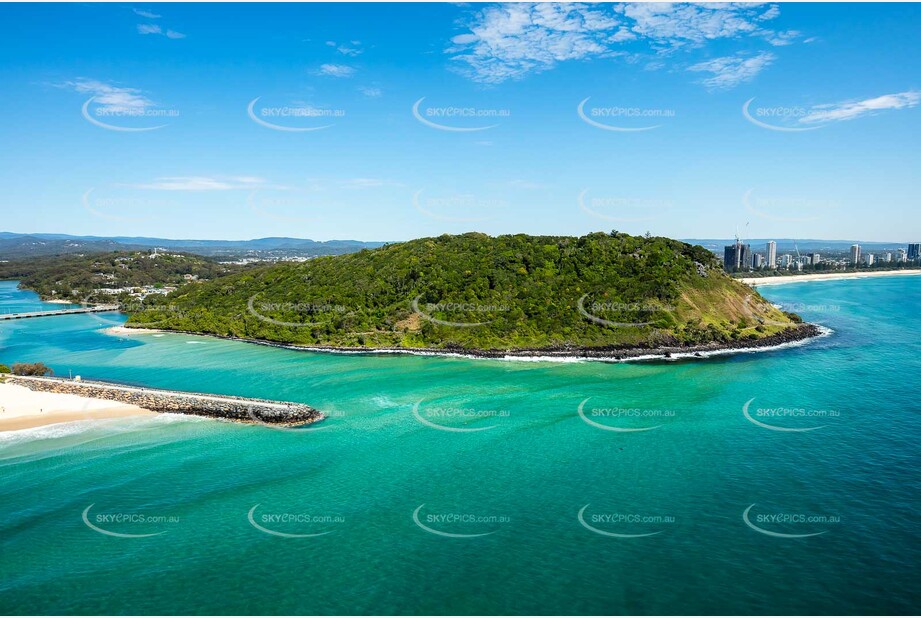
pixel 741 257
pixel 328 127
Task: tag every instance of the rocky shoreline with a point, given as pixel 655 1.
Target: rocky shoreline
pixel 236 409
pixel 794 334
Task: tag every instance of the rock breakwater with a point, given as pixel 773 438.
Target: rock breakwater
pixel 238 409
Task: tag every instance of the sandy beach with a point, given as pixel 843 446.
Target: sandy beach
pixel 755 281
pixel 21 408
pixel 122 330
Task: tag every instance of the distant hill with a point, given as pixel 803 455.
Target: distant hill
pixel 15 246
pixel 87 278
pixel 476 292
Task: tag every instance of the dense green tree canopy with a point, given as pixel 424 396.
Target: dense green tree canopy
pixel 474 291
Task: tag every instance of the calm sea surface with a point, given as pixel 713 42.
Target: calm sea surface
pixel 442 485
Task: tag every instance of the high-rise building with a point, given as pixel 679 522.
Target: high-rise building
pixel 785 260
pixel 758 261
pixel 730 258
pixel 737 257
pixel 855 255
pixel 914 251
pixel 771 254
pixel 902 257
pixel 814 258
pixel 870 259
pixel 887 257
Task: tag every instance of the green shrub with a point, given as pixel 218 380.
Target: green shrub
pixel 32 369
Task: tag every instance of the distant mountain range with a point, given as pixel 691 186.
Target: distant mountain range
pixel 18 246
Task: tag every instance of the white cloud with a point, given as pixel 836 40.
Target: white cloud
pixel 464 39
pixel 780 39
pixel 730 71
pixel 623 34
pixel 337 70
pixel 155 29
pixel 771 13
pixel 678 23
pixel 147 14
pixel 202 183
pixel 345 50
pixel 849 110
pixel 348 51
pixel 371 92
pixel 509 41
pixel 113 99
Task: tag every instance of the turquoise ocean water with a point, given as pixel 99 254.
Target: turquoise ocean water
pixel 540 510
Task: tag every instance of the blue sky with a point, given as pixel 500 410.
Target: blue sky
pixel 242 121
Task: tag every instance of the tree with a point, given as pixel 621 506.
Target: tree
pixel 32 369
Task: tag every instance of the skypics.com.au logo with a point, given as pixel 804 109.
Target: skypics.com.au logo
pixel 315 313
pixel 785 419
pixel 622 119
pixel 126 118
pixel 127 525
pixel 462 309
pixel 458 119
pixel 294 525
pixel 450 418
pixel 293 118
pixel 458 524
pixel 615 314
pixel 788 524
pixel 758 310
pixel 788 209
pixel 458 207
pixel 624 525
pixel 623 420
pixel 621 209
